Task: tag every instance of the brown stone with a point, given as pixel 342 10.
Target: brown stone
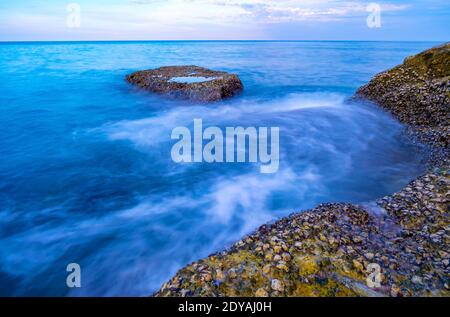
pixel 188 82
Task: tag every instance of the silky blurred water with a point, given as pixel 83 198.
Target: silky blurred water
pixel 86 174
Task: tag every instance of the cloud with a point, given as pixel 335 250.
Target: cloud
pixel 260 11
pixel 223 19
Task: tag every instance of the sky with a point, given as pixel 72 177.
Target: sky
pixel 391 20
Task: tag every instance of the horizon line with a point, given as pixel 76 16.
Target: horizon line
pixel 247 40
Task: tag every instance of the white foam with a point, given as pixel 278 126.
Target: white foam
pixel 153 130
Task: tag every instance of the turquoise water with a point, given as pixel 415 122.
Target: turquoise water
pixel 86 174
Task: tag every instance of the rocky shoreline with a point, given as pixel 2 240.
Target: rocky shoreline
pixel 333 249
pixel 417 93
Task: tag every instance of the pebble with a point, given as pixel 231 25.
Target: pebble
pixel 358 265
pixel 395 290
pixel 416 279
pixel 369 256
pixel 220 276
pixel 232 273
pixel 277 285
pixel 261 292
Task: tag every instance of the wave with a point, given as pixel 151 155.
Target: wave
pixel 185 212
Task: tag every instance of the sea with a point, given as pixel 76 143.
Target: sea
pixel 87 177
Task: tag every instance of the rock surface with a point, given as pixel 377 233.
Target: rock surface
pixel 417 92
pixel 331 249
pixel 188 82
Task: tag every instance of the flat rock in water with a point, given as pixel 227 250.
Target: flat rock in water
pixel 188 82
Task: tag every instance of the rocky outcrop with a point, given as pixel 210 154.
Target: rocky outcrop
pixel 332 250
pixel 327 251
pixel 417 92
pixel 188 82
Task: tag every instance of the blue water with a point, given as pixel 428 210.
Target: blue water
pixel 86 174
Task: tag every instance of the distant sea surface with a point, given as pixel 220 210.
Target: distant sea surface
pixel 86 174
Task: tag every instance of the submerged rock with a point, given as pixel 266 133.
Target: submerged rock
pixel 188 82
